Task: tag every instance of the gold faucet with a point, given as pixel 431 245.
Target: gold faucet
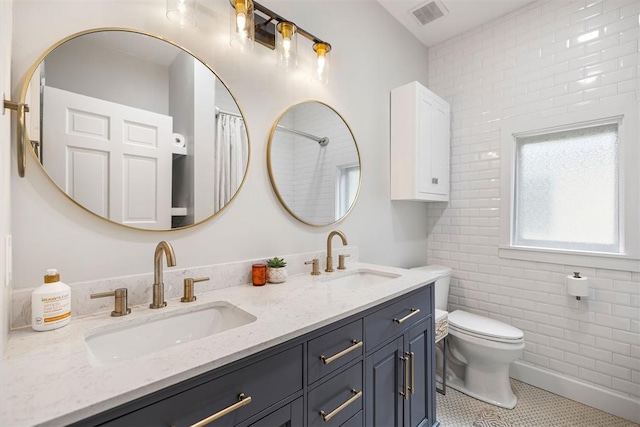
pixel 329 268
pixel 158 284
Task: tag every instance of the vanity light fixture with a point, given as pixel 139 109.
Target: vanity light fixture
pixel 242 25
pixel 182 12
pixel 275 32
pixel 287 45
pixel 321 71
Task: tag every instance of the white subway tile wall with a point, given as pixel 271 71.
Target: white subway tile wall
pixel 547 58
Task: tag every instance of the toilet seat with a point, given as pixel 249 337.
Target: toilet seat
pixel 485 328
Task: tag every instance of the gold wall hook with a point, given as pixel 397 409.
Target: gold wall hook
pixel 20 109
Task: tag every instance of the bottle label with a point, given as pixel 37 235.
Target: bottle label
pixel 55 309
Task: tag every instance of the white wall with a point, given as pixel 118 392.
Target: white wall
pixel 5 162
pixel 515 66
pixel 51 231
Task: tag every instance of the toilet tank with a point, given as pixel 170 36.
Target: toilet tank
pixel 442 285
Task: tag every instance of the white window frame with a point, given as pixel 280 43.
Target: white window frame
pixel 629 187
pixel 338 200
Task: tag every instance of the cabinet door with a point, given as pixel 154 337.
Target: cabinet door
pixel 433 145
pixel 440 157
pixel 419 350
pixel 384 383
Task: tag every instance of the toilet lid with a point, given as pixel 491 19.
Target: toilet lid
pixel 440 270
pixel 484 326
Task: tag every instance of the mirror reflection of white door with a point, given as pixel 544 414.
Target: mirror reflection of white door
pixel 113 159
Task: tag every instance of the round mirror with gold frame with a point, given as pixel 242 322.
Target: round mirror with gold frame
pixel 136 129
pixel 314 163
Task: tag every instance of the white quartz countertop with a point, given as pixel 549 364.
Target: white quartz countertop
pixel 48 378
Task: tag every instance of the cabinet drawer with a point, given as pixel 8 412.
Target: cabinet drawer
pixel 333 350
pixel 395 318
pixel 340 398
pixel 266 382
pixel 287 416
pixel 356 421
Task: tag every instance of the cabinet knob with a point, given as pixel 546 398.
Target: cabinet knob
pixel 434 180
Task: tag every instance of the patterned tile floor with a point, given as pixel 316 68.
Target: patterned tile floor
pixel 536 408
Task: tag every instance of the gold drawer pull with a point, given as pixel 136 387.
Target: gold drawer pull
pixel 414 311
pixel 327 360
pixel 356 395
pixel 242 401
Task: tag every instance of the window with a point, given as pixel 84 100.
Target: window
pixel 570 189
pixel 566 190
pixel 347 188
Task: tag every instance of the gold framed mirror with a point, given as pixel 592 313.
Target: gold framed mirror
pixel 314 163
pixel 136 129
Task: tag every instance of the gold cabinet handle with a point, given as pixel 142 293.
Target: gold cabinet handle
pixel 414 311
pixel 412 358
pixel 242 401
pixel 405 370
pixel 356 395
pixel 327 360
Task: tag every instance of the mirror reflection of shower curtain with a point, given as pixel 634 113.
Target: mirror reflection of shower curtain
pixel 230 157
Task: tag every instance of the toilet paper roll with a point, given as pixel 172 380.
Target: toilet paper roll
pixel 178 140
pixel 578 286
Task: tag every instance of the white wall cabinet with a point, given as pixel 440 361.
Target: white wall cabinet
pixel 420 140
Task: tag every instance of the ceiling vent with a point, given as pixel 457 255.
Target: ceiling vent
pixel 430 11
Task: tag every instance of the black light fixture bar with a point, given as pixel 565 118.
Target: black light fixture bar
pixel 265 27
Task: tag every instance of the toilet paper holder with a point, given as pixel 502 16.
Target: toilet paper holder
pixel 577 286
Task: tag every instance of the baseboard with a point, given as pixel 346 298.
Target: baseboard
pixel 617 404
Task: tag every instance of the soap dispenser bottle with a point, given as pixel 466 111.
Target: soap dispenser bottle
pixel 51 303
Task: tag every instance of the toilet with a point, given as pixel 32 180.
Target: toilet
pixel 480 349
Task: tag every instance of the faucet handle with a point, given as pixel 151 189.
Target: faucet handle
pixel 341 261
pixel 315 266
pixel 121 302
pixel 189 283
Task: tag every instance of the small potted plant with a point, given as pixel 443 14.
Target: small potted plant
pixel 276 270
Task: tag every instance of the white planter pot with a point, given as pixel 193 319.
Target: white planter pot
pixel 277 275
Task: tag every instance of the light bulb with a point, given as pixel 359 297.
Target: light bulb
pixel 286 46
pixel 241 22
pixel 321 71
pixel 321 62
pixel 242 25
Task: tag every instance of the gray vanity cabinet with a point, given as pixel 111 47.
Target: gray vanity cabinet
pixel 399 385
pixel 352 373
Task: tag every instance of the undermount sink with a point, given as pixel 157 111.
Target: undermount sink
pixel 164 330
pixel 361 276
